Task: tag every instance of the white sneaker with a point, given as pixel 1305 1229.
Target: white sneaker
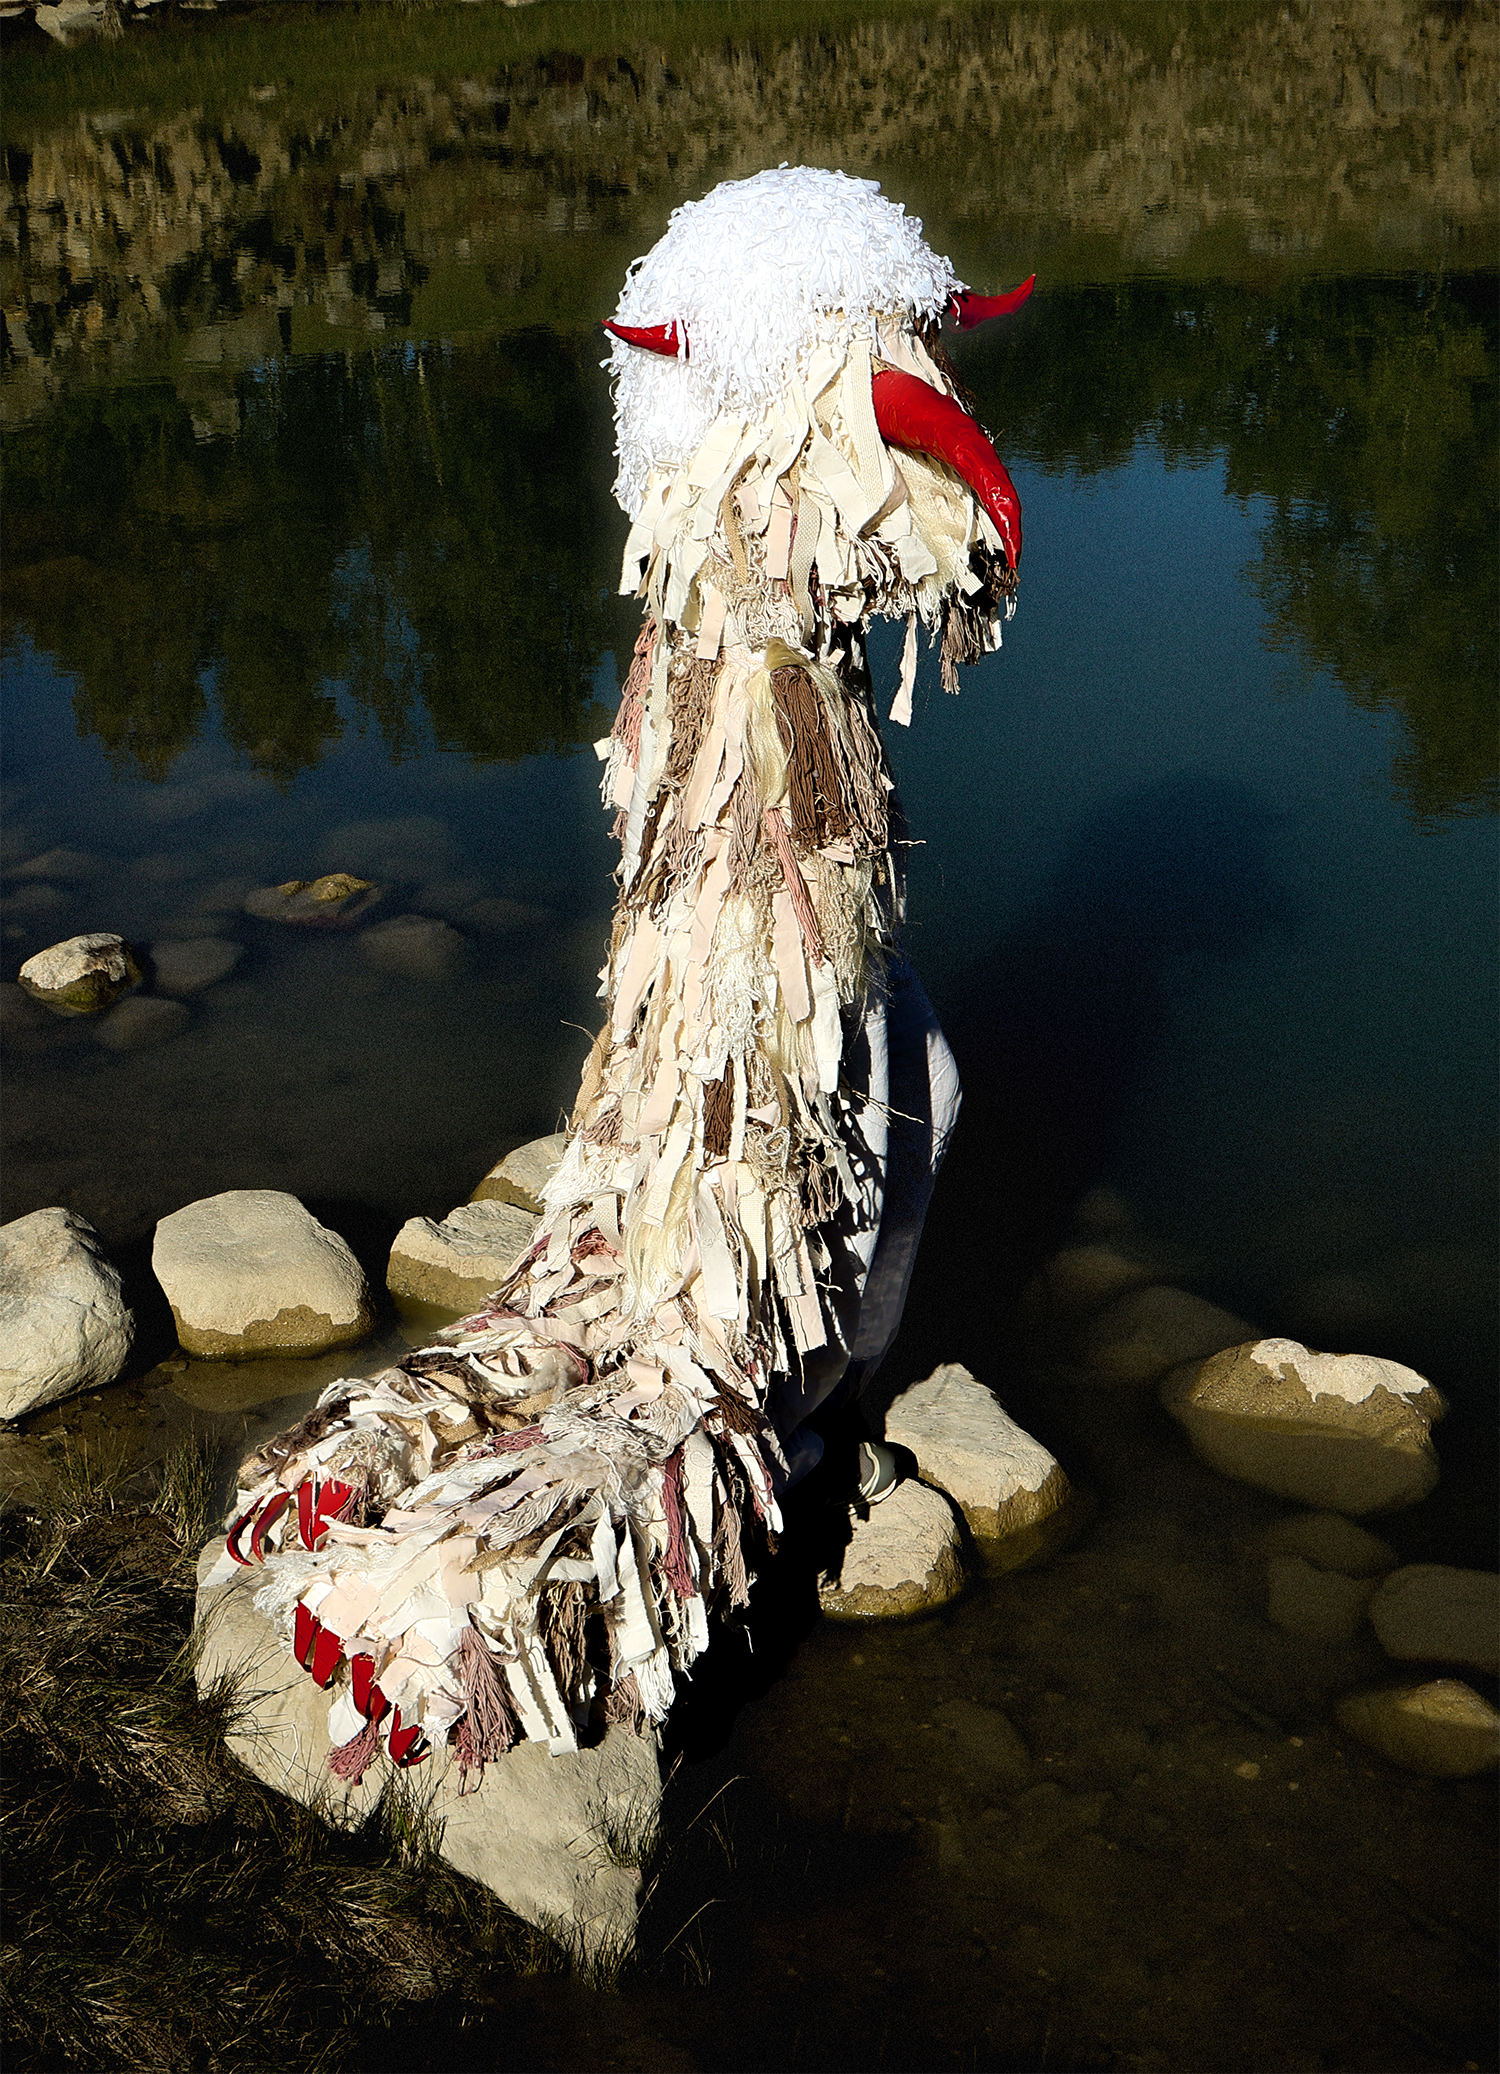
pixel 878 1473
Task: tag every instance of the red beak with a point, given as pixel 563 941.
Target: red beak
pixel 651 338
pixel 911 413
pixel 968 310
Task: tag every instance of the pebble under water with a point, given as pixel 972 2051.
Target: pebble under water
pixel 309 566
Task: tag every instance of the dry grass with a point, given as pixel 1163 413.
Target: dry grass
pixel 164 1909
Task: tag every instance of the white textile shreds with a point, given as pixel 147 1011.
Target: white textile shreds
pixel 522 1531
pixel 757 273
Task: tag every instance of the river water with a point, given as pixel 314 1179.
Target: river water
pixel 309 565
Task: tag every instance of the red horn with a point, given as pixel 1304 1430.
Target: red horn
pixel 652 338
pixel 969 310
pixel 911 413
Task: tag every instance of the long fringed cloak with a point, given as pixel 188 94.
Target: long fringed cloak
pixel 527 1527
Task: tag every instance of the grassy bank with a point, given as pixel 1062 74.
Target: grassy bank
pixel 165 1909
pixel 209 61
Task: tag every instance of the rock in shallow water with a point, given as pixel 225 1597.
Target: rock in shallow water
pixel 544 1833
pixel 415 946
pixel 82 975
pixel 63 1321
pixel 522 1175
pixel 335 901
pixel 903 1559
pixel 1433 1613
pixel 1442 1728
pixel 139 1023
pixel 965 1441
pixel 1140 1336
pixel 252 1272
pixel 457 1263
pixel 187 967
pixel 64 864
pixel 1319 1605
pixel 1080 1280
pixel 1343 1432
pixel 1330 1542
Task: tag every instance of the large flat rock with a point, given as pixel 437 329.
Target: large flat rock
pixel 1346 1433
pixel 903 1559
pixel 252 1272
pixel 544 1833
pixel 456 1264
pixel 64 1325
pixel 1006 1483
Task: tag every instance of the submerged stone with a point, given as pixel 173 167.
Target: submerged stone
pixel 1319 1605
pixel 64 1325
pixel 1330 1542
pixel 1080 1280
pixel 139 1023
pixel 187 967
pixel 82 975
pixel 1434 1613
pixel 1139 1336
pixel 252 1272
pixel 415 946
pixel 1343 1432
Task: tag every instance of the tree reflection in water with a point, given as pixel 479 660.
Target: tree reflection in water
pixel 1364 411
pixel 431 531
pixel 423 529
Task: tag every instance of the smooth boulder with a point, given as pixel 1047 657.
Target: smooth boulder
pixel 1443 1728
pixel 456 1264
pixel 64 1324
pixel 544 1833
pixel 252 1272
pixel 1138 1337
pixel 83 975
pixel 1006 1483
pixel 1434 1613
pixel 903 1558
pixel 521 1176
pixel 1343 1432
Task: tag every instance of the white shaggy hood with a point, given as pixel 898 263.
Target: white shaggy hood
pixel 757 273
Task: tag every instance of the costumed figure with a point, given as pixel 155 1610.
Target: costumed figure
pixel 529 1527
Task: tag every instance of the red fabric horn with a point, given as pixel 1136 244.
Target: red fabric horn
pixel 652 338
pixel 969 310
pixel 911 413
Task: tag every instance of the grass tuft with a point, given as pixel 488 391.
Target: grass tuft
pixel 185 1491
pixel 165 1909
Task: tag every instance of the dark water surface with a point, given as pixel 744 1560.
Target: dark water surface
pixel 309 565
